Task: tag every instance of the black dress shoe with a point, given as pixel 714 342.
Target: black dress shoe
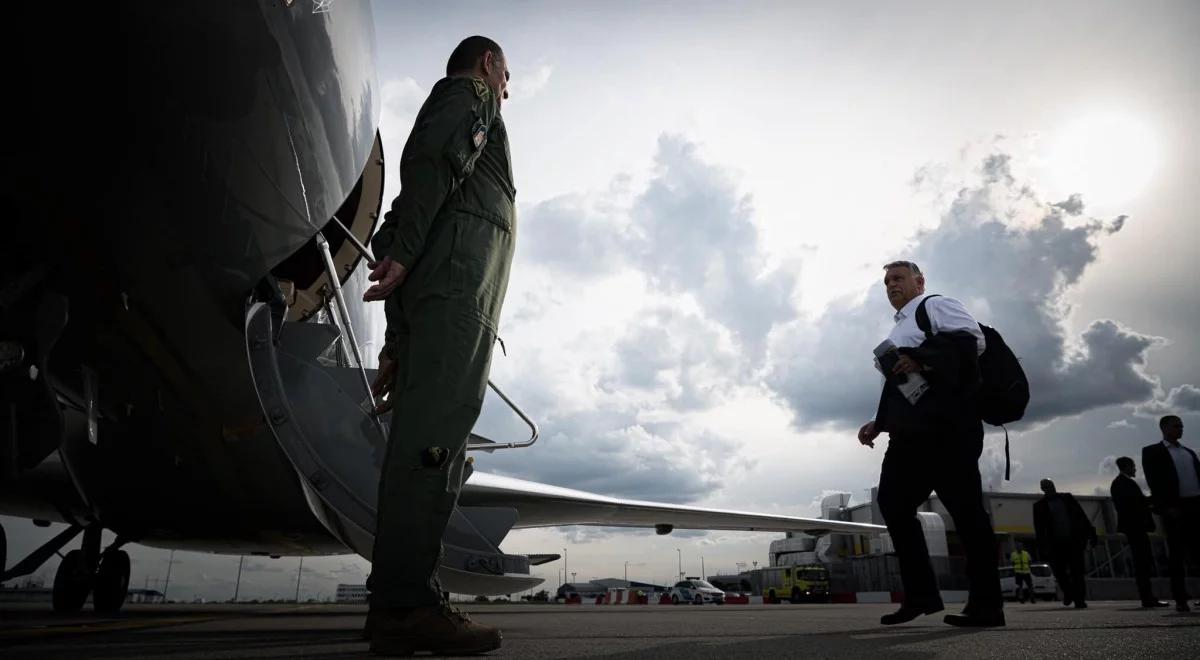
pixel 987 619
pixel 1154 603
pixel 1182 607
pixel 908 612
pixel 1081 605
pixel 1066 602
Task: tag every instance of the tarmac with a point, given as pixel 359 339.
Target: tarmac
pixel 1114 629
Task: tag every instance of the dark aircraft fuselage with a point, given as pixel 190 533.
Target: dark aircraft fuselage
pixel 176 167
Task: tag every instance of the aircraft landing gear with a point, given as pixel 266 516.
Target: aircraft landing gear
pixel 84 571
pixel 112 581
pixel 72 583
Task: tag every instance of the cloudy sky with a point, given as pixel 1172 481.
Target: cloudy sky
pixel 707 192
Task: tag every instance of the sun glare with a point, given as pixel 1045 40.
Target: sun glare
pixel 1109 158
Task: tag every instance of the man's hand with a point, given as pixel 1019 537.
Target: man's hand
pixel 382 387
pixel 906 365
pixel 867 434
pixel 389 274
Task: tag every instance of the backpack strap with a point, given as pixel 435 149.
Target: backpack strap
pixel 923 316
pixel 1007 461
pixel 926 327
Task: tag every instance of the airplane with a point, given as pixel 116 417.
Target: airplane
pixel 185 200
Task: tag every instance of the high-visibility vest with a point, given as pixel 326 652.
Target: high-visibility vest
pixel 1020 561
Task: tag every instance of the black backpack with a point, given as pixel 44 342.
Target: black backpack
pixel 1004 390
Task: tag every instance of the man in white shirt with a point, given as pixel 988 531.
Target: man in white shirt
pixel 934 445
pixel 1173 474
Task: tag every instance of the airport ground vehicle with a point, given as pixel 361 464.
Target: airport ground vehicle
pixel 696 591
pixel 1044 584
pixel 798 584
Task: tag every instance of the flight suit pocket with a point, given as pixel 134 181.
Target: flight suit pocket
pixel 479 262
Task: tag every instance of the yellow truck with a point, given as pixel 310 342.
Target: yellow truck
pixel 798 584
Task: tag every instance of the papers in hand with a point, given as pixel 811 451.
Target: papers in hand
pixel 912 386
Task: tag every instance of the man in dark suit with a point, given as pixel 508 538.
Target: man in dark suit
pixel 935 437
pixel 1136 523
pixel 1173 474
pixel 1063 532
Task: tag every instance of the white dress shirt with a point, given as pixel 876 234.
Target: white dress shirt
pixel 945 315
pixel 1185 469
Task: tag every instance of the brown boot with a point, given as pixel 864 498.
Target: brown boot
pixel 437 629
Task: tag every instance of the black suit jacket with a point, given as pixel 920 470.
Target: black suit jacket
pixel 1133 508
pixel 1081 528
pixel 1161 475
pixel 949 405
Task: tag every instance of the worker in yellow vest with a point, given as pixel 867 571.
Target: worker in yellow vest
pixel 1022 573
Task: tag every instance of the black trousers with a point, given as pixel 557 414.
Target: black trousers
pixel 1181 522
pixel 1066 560
pixel 1027 580
pixel 1139 547
pixel 946 463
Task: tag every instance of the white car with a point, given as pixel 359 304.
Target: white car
pixel 697 591
pixel 1044 584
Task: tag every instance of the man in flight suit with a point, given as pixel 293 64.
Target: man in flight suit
pixel 444 251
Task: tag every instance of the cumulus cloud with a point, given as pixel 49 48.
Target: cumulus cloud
pixel 991 465
pixel 1120 424
pixel 572 233
pixel 688 232
pixel 1181 400
pixel 400 100
pixel 607 450
pixel 1011 259
pixel 684 360
pixel 526 85
pixel 1108 466
pixel 693 233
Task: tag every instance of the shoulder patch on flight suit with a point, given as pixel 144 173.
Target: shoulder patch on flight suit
pixel 481 89
pixel 479 134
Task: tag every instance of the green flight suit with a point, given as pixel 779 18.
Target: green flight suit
pixel 453 226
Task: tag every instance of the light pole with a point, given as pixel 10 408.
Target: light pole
pixel 238 585
pixel 298 570
pixel 680 552
pixel 564 564
pixel 702 571
pixel 626 572
pixel 170 562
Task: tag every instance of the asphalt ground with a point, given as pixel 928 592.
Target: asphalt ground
pixel 1042 630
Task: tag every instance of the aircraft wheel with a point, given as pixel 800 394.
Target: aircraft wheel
pixel 72 583
pixel 112 582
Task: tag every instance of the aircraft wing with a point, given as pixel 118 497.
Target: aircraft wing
pixel 543 505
